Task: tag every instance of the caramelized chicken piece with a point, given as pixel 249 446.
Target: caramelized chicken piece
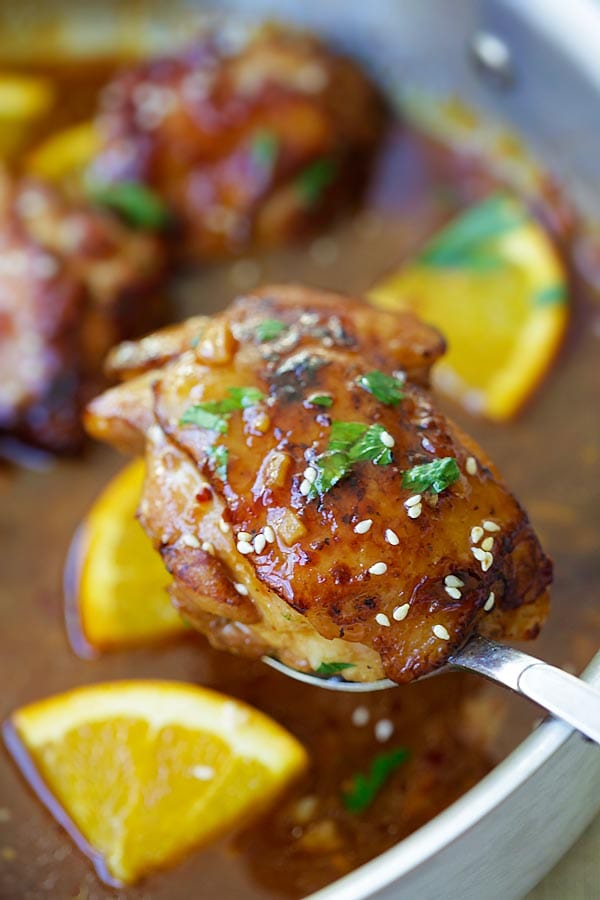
pixel 248 141
pixel 73 281
pixel 281 439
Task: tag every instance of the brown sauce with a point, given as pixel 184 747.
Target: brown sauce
pixel 455 727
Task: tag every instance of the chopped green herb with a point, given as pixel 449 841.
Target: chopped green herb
pixel 220 456
pixel 321 400
pixel 269 329
pixel 370 447
pixel 213 414
pixel 134 202
pixel 313 180
pixel 366 787
pixel 468 241
pixel 344 434
pixel 385 388
pixel 434 476
pixel 551 296
pixel 332 668
pixel 197 415
pixel 349 443
pixel 331 467
pixel 264 148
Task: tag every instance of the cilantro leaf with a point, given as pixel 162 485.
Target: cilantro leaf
pixel 134 202
pixel 468 241
pixel 349 443
pixel 269 329
pixel 331 467
pixel 344 434
pixel 385 388
pixel 203 418
pixel 220 456
pixel 332 668
pixel 264 149
pixel 435 476
pixel 365 788
pixel 320 400
pixel 369 446
pixel 313 180
pixel 214 413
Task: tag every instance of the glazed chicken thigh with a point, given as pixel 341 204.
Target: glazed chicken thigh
pixel 250 136
pixel 307 496
pixel 73 281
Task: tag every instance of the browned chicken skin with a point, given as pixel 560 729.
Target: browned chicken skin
pixel 248 141
pixel 267 557
pixel 72 282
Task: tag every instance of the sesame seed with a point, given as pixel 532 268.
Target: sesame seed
pixel 441 632
pixel 241 589
pixel 453 592
pixel 490 526
pixel 386 439
pixel 244 547
pixel 415 511
pixel 305 487
pixel 391 537
pixel 244 536
pixel 489 603
pixel 453 581
pixel 360 716
pixel 476 534
pixel 269 534
pixel 382 619
pixel 208 548
pixel 260 542
pixel 310 474
pixel 401 612
pixel 413 501
pixel 478 553
pixel 486 562
pixel 471 465
pixel 363 527
pixel 190 540
pixel 487 544
pixel 384 729
pixel 378 568
pixel 223 525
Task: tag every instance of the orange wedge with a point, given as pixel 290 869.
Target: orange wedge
pixel 148 770
pixel 24 99
pixel 494 285
pixel 121 597
pixel 65 154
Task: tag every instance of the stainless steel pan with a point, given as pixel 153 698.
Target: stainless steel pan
pixel 535 65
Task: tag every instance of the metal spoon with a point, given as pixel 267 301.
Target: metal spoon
pixel 565 696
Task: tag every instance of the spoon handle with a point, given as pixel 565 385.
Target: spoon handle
pixel 565 696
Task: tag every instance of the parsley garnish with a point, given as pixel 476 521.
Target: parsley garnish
pixel 366 787
pixel 385 388
pixel 220 456
pixel 435 476
pixel 214 413
pixel 349 443
pixel 320 400
pixel 264 148
pixel 313 180
pixel 269 329
pixel 468 241
pixel 332 668
pixel 134 202
pixel 197 415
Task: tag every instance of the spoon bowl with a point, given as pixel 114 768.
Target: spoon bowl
pixel 563 695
